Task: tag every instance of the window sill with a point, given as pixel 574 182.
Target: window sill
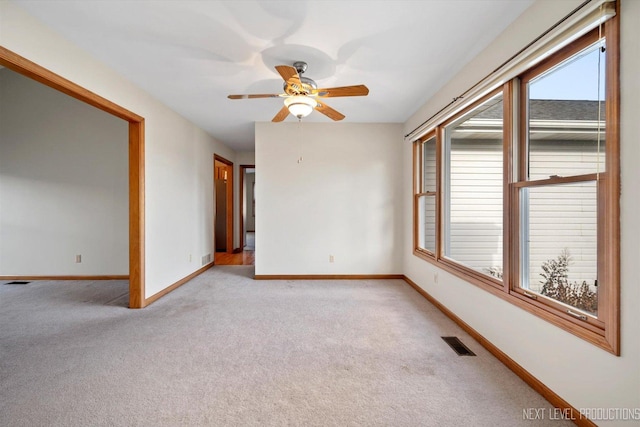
pixel 584 330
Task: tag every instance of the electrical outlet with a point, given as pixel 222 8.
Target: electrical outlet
pixel 435 278
pixel 190 258
pixel 331 259
pixel 78 259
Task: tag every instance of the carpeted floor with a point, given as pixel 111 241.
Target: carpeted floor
pixel 227 350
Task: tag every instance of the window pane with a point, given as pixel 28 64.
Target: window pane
pixel 429 165
pixel 474 186
pixel 559 230
pixel 427 223
pixel 567 117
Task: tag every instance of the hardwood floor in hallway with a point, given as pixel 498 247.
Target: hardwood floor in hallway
pixel 241 258
pixel 246 257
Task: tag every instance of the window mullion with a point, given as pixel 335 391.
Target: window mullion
pixel 509 126
pixel 445 195
pixel 439 141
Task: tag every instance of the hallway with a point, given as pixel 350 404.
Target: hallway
pixel 246 257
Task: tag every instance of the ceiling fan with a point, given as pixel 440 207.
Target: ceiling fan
pixel 301 94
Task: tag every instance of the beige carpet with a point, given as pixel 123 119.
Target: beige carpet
pixel 227 350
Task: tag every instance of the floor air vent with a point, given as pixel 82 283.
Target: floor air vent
pixel 206 259
pixel 458 347
pixel 17 283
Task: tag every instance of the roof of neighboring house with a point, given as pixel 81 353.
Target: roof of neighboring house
pixel 552 109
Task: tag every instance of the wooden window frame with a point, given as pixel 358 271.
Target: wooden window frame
pixel 419 191
pixel 452 265
pixel 604 331
pixel 476 277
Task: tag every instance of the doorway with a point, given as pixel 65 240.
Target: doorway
pixel 34 71
pixel 247 207
pixel 246 221
pixel 223 196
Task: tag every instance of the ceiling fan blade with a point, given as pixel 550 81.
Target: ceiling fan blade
pixel 263 95
pixel 292 78
pixel 357 90
pixel 329 112
pixel 282 114
pixel 287 72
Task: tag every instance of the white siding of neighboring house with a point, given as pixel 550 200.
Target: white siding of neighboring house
pixel 563 217
pixel 475 237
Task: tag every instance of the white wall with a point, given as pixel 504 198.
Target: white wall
pixel 245 158
pixel 63 183
pixel 584 375
pixel 178 155
pixel 344 199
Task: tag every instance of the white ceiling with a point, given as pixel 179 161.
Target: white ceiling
pixel 192 54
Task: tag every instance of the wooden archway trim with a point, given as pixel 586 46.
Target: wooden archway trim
pixel 30 69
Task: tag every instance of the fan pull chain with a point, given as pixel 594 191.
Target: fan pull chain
pixel 300 159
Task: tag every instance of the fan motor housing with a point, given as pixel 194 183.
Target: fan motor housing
pixel 308 85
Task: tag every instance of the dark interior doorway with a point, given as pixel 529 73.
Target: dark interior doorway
pixel 223 195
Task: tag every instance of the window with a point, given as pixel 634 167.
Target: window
pixel 558 190
pixel 519 192
pixel 473 182
pixel 426 196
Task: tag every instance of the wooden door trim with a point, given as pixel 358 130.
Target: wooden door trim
pixel 243 169
pixel 229 201
pixel 30 69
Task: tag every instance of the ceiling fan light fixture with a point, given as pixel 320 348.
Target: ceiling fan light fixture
pixel 300 105
pixel 300 94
